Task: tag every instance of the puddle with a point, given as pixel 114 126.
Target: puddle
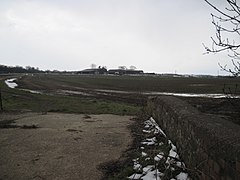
pixel 193 95
pixel 10 83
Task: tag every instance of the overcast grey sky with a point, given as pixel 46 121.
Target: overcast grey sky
pixel 154 35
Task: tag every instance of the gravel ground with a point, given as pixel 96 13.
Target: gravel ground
pixel 65 146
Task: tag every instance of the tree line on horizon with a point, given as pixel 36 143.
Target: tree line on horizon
pixel 18 69
pixel 4 69
pixel 28 69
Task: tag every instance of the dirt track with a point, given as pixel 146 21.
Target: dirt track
pixel 65 146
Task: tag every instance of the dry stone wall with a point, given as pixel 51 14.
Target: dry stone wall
pixel 209 145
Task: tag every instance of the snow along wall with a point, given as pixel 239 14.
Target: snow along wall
pixel 209 145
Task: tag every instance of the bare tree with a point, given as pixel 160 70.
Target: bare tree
pixel 133 67
pixel 93 66
pixel 227 24
pixel 122 67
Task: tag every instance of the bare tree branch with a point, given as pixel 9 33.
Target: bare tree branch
pixel 227 37
pixel 231 2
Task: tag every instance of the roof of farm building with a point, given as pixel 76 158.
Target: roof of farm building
pixel 126 71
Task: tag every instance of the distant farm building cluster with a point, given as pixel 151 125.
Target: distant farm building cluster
pixel 95 71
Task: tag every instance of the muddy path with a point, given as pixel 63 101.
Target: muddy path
pixel 64 146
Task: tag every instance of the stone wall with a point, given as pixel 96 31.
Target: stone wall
pixel 209 145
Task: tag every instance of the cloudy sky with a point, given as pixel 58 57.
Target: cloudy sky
pixel 154 35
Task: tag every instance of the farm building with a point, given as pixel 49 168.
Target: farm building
pixel 134 71
pixel 124 72
pixel 93 71
pixel 116 71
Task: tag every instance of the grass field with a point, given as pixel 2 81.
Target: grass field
pixel 131 83
pixel 15 99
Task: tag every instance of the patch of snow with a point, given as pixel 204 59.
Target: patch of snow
pixel 173 153
pixel 146 131
pixel 135 176
pixel 180 164
pixel 10 83
pixel 144 154
pixel 136 165
pixel 150 141
pixel 151 172
pixel 147 169
pixel 152 175
pixel 182 176
pixel 161 143
pixel 159 156
pixel 135 159
pixel 146 126
pixel 173 150
pixel 157 128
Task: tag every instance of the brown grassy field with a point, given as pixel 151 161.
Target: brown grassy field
pixel 131 83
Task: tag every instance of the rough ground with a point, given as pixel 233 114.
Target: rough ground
pixel 65 146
